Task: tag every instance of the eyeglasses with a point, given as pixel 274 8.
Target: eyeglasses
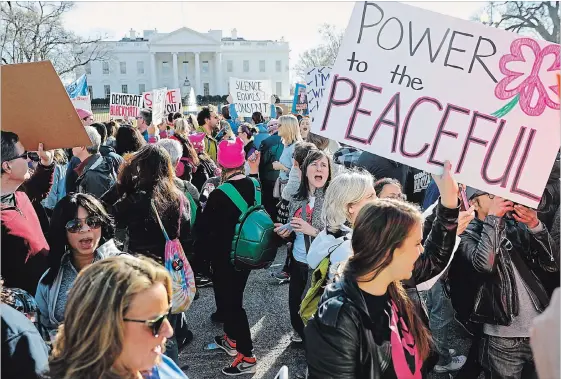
pixel 74 226
pixel 31 155
pixel 397 196
pixel 155 324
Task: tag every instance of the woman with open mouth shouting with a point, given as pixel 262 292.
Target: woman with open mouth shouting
pixel 116 323
pixel 81 232
pixel 305 224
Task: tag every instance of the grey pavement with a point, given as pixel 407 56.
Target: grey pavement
pixel 266 304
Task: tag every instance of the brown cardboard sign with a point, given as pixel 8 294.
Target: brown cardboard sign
pixel 35 106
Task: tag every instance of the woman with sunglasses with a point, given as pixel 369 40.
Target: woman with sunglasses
pixel 116 323
pixel 81 232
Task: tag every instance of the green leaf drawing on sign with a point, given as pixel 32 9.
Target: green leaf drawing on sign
pixel 507 108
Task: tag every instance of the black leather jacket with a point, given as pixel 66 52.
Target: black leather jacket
pixel 481 277
pixel 339 341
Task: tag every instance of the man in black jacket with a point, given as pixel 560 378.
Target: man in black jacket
pixel 496 281
pixel 95 173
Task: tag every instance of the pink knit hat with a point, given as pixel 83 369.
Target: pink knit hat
pixel 83 113
pixel 197 140
pixel 231 153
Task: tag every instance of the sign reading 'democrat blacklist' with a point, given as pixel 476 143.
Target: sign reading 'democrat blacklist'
pixel 173 100
pixel 124 105
pixel 421 88
pixel 251 96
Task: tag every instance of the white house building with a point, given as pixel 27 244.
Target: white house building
pixel 184 59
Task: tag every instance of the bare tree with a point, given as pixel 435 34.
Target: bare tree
pixel 33 31
pixel 322 55
pixel 539 19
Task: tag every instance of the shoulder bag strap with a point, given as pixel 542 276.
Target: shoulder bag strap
pixel 159 220
pixel 307 242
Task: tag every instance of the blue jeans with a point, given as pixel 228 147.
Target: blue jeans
pixel 441 314
pixel 507 358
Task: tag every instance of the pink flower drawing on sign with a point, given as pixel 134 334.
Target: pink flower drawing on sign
pixel 529 78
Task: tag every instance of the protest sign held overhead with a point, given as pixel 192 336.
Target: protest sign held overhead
pixel 124 105
pixel 420 88
pixel 316 81
pixel 300 101
pixel 158 105
pixel 173 100
pixel 82 102
pixel 251 96
pixel 53 120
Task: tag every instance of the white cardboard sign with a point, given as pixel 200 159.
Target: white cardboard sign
pixel 173 100
pixel 82 102
pixel 159 105
pixel 420 88
pixel 317 79
pixel 124 105
pixel 251 96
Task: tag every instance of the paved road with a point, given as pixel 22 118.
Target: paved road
pixel 266 304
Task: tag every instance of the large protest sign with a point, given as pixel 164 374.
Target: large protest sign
pixel 421 88
pixel 300 101
pixel 316 81
pixel 82 102
pixel 173 100
pixel 36 106
pixel 251 96
pixel 158 105
pixel 124 105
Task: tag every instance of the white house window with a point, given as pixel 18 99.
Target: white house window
pixel 204 68
pixel 140 67
pixel 88 68
pixel 123 66
pixel 230 66
pixel 261 66
pixel 107 90
pixel 90 91
pixel 206 89
pixel 245 66
pixel 105 66
pixel 124 88
pixel 141 89
pixel 278 66
pixel 279 88
pixel 185 66
pixel 165 68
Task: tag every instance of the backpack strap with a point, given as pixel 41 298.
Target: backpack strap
pixel 237 199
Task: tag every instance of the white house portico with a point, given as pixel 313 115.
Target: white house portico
pixel 188 59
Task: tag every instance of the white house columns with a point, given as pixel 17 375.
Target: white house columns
pixel 153 69
pixel 175 71
pixel 218 68
pixel 198 86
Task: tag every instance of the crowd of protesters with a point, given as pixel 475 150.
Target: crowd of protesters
pixel 382 259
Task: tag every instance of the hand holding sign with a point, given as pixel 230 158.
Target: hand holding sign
pixel 447 186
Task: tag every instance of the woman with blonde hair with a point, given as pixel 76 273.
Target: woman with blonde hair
pixel 289 131
pixel 344 198
pixel 116 323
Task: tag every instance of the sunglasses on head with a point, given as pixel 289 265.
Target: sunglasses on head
pixel 155 325
pixel 75 225
pixel 31 155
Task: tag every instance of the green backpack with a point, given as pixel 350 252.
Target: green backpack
pixel 310 302
pixel 253 246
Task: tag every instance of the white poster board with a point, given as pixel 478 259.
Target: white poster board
pixel 82 102
pixel 251 96
pixel 173 100
pixel 420 88
pixel 124 105
pixel 159 105
pixel 317 79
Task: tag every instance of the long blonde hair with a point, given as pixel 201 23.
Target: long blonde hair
pixel 91 339
pixel 182 127
pixel 289 129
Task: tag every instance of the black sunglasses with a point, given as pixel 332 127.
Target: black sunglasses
pixel 155 324
pixel 75 225
pixel 31 155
